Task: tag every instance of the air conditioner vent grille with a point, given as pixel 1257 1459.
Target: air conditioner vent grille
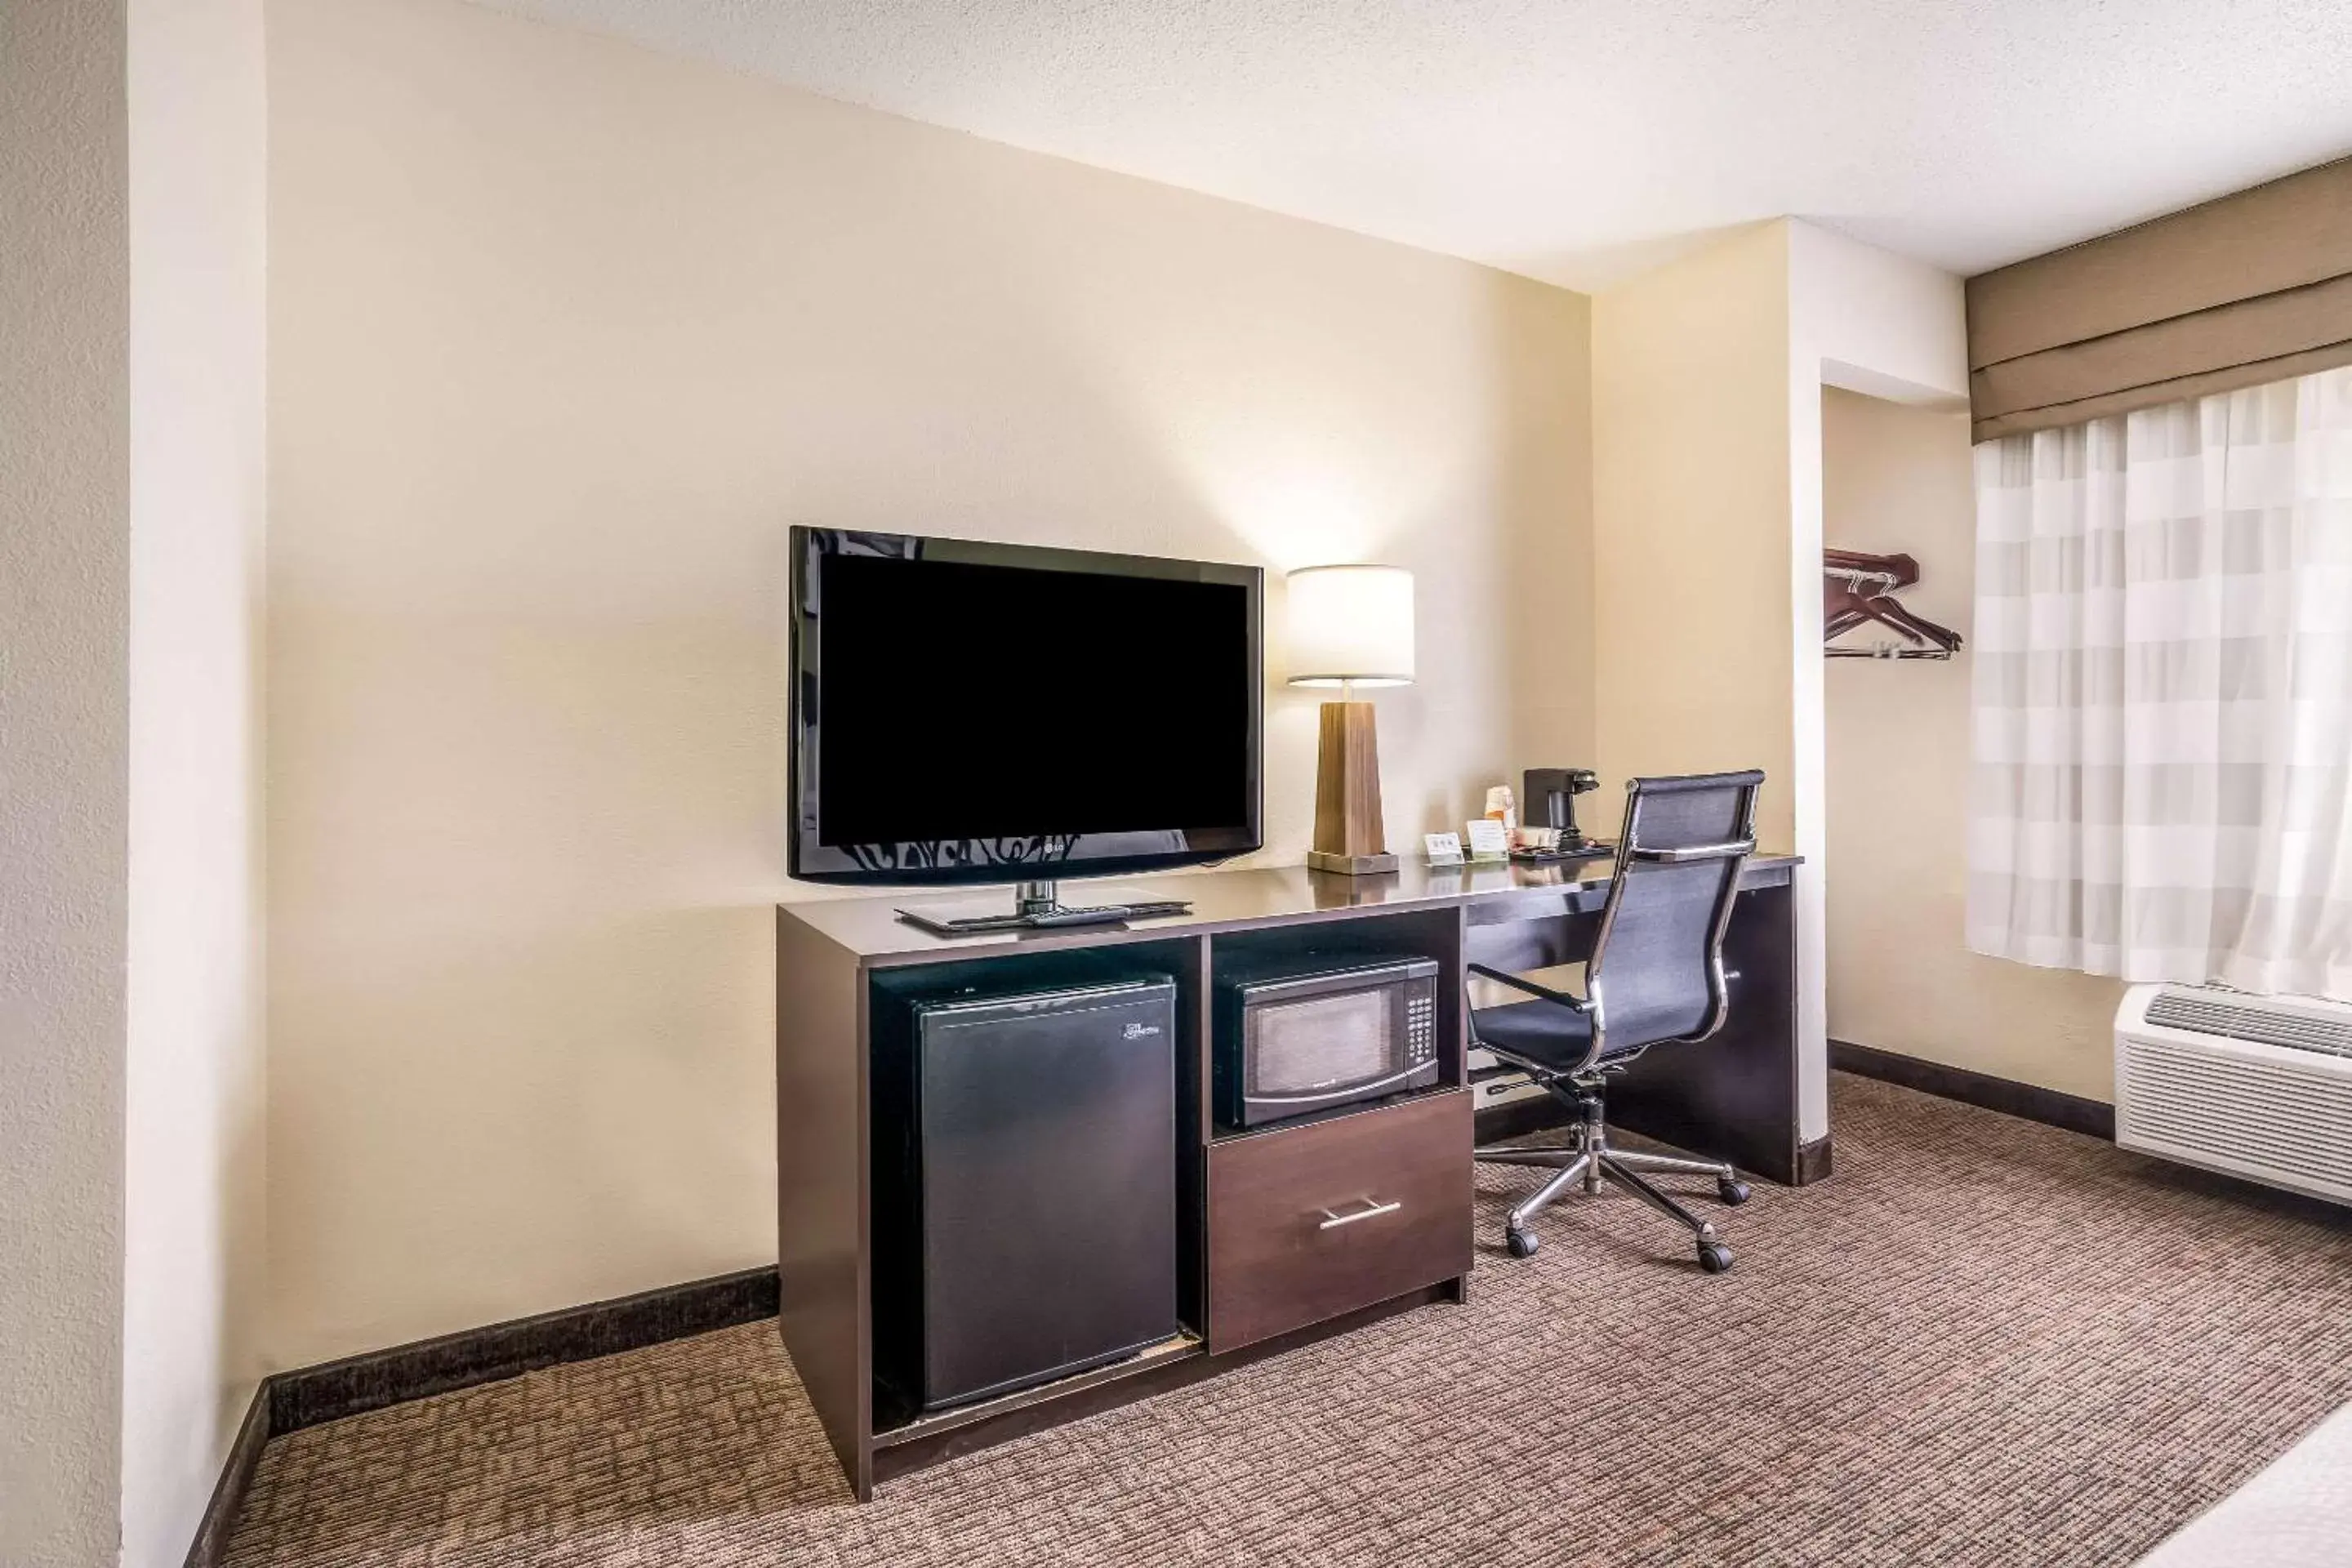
pixel 2260 1118
pixel 2265 1025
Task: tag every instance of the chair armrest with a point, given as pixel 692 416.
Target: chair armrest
pixel 1575 1003
pixel 1694 852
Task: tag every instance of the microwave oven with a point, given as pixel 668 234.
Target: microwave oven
pixel 1312 1032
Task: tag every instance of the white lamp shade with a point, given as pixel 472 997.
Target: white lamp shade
pixel 1350 623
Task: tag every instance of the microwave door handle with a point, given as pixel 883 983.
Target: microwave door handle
pixel 1353 1089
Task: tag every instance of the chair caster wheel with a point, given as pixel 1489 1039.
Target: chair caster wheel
pixel 1731 1190
pixel 1714 1256
pixel 1521 1242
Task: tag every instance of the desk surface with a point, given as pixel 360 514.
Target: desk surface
pixel 870 927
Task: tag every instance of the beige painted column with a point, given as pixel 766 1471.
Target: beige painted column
pixel 132 173
pixel 193 1114
pixel 1708 522
pixel 1691 538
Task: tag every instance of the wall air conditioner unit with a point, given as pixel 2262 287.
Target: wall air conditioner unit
pixel 2259 1086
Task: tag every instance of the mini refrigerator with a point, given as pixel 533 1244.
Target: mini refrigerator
pixel 1025 1229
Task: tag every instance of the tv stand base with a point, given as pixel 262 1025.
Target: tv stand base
pixel 1038 910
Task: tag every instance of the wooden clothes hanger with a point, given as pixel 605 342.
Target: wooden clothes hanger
pixel 1859 589
pixel 1900 571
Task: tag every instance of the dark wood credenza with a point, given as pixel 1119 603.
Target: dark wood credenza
pixel 1257 1270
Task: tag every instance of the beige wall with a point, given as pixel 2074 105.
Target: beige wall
pixel 192 1222
pixel 1900 976
pixel 64 743
pixel 563 335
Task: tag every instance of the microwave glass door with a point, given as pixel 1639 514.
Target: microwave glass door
pixel 1321 1042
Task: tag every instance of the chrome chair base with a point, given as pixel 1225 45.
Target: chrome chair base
pixel 1593 1163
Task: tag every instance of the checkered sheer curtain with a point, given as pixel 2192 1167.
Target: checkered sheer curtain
pixel 2162 784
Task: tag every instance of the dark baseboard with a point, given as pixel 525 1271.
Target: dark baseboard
pixel 307 1396
pixel 210 1548
pixel 329 1393
pixel 289 1401
pixel 2071 1111
pixel 2075 1114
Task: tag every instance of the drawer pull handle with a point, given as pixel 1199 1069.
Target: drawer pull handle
pixel 1371 1207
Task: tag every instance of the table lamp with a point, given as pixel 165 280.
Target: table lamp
pixel 1349 627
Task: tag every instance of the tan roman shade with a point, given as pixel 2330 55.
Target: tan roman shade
pixel 2251 288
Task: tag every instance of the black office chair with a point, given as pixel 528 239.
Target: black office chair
pixel 1656 975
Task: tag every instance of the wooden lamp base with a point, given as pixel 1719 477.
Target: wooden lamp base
pixel 1349 838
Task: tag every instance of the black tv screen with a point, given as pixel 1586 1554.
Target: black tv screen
pixel 973 712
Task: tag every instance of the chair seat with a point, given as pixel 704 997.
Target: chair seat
pixel 1540 1034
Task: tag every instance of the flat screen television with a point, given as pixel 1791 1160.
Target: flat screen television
pixel 967 713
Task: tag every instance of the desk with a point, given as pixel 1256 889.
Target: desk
pixel 1734 1096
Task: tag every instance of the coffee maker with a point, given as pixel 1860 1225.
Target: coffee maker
pixel 1550 802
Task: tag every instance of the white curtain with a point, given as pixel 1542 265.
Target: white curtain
pixel 2162 786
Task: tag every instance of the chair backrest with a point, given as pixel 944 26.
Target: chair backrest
pixel 1656 969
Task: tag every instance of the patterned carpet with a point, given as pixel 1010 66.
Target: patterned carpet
pixel 1983 1341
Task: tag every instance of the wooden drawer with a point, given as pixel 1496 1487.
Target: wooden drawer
pixel 1310 1222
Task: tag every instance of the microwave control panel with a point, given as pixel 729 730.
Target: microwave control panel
pixel 1420 1024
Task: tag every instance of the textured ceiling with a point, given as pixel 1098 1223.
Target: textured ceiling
pixel 1580 142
